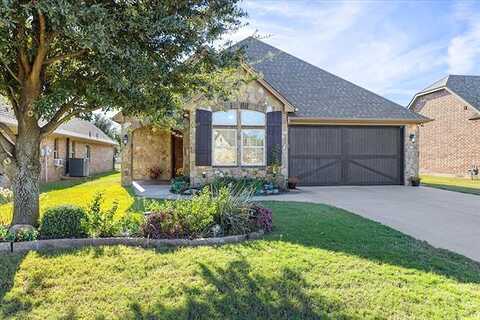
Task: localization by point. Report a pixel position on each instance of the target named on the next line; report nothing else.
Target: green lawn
(320, 263)
(452, 184)
(80, 193)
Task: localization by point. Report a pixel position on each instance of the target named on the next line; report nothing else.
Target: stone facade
(449, 145)
(253, 96)
(101, 156)
(411, 152)
(152, 148)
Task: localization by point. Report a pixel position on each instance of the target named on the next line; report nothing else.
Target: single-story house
(309, 123)
(450, 144)
(75, 139)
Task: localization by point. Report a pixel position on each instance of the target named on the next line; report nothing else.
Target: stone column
(411, 153)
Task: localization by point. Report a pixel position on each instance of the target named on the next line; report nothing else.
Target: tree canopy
(66, 58)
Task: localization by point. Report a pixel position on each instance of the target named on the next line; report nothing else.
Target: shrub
(63, 222)
(234, 208)
(26, 235)
(161, 226)
(209, 213)
(3, 233)
(130, 224)
(192, 218)
(238, 184)
(101, 223)
(6, 195)
(179, 184)
(155, 172)
(262, 218)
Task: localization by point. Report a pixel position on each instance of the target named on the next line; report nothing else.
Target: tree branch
(13, 100)
(7, 146)
(61, 57)
(42, 46)
(79, 110)
(55, 120)
(11, 72)
(8, 133)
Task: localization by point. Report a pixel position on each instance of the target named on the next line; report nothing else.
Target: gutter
(355, 121)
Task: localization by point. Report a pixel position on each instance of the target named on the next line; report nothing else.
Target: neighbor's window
(88, 152)
(233, 129)
(55, 149)
(72, 152)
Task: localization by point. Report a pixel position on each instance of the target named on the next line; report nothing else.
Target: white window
(233, 129)
(225, 118)
(252, 118)
(253, 147)
(55, 149)
(224, 147)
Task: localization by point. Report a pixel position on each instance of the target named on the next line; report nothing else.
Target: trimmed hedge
(64, 222)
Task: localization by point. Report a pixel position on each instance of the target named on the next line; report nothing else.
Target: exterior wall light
(412, 137)
(125, 139)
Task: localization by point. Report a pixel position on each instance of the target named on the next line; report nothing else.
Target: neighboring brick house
(75, 139)
(312, 124)
(450, 144)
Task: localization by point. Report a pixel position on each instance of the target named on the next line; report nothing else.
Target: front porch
(152, 157)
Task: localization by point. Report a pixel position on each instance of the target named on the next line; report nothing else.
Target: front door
(177, 155)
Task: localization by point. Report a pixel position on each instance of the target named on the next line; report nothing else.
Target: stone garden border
(54, 244)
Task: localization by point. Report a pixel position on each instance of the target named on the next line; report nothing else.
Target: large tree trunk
(25, 176)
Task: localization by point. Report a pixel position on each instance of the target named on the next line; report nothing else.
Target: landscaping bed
(211, 213)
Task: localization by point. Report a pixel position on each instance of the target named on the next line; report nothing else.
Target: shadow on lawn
(237, 292)
(334, 229)
(474, 191)
(9, 265)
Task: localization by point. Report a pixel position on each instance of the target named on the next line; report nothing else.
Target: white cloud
(464, 49)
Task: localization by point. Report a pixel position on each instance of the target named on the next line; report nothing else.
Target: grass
(79, 192)
(320, 263)
(452, 184)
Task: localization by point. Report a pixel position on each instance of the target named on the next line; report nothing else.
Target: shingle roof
(76, 127)
(467, 87)
(315, 92)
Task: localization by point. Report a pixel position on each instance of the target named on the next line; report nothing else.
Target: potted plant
(155, 172)
(415, 181)
(292, 182)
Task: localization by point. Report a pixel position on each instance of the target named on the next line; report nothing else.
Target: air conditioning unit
(58, 162)
(78, 167)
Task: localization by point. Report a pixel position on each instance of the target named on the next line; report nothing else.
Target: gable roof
(77, 128)
(316, 93)
(465, 87)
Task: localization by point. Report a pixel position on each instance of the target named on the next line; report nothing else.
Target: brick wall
(101, 156)
(450, 144)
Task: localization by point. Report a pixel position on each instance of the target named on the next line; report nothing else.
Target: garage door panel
(318, 171)
(342, 155)
(316, 142)
(360, 140)
(373, 171)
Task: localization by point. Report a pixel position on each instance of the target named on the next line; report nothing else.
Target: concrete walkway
(445, 219)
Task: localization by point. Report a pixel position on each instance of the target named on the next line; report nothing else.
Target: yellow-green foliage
(453, 184)
(80, 194)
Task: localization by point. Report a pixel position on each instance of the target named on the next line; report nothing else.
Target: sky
(393, 48)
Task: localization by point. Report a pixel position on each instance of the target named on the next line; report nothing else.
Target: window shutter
(203, 138)
(274, 137)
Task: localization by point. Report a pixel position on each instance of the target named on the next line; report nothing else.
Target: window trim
(238, 128)
(264, 146)
(55, 149)
(230, 128)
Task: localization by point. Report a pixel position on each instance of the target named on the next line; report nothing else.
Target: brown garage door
(346, 155)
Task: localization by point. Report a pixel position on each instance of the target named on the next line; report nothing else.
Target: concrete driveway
(445, 219)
